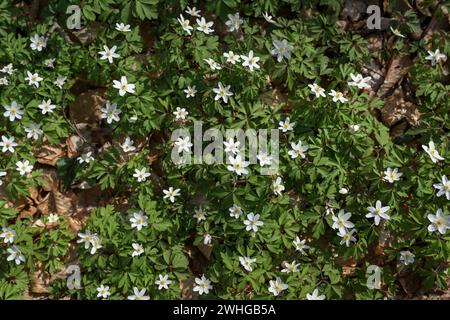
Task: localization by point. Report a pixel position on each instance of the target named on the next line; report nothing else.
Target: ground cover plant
(93, 205)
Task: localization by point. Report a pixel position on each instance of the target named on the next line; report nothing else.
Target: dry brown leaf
(354, 9)
(187, 289)
(74, 146)
(38, 223)
(396, 109)
(50, 175)
(349, 266)
(375, 44)
(375, 71)
(197, 261)
(376, 255)
(348, 271)
(386, 238)
(49, 155)
(26, 206)
(410, 283)
(274, 97)
(39, 282)
(210, 77)
(90, 135)
(152, 157)
(75, 225)
(398, 68)
(88, 199)
(33, 195)
(205, 250)
(399, 129)
(27, 212)
(342, 24)
(86, 107)
(63, 203)
(86, 35)
(43, 205)
(84, 202)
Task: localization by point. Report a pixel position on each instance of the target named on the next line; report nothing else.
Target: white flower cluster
(8, 235)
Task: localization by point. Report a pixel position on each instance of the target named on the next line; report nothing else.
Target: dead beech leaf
(342, 24)
(349, 266)
(78, 221)
(274, 97)
(63, 203)
(39, 282)
(29, 211)
(38, 223)
(152, 157)
(50, 175)
(74, 146)
(398, 68)
(396, 109)
(33, 195)
(376, 71)
(210, 77)
(50, 154)
(354, 9)
(75, 225)
(27, 205)
(88, 199)
(86, 107)
(87, 34)
(376, 255)
(348, 271)
(187, 289)
(410, 283)
(205, 250)
(386, 238)
(43, 205)
(399, 129)
(375, 44)
(84, 202)
(378, 250)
